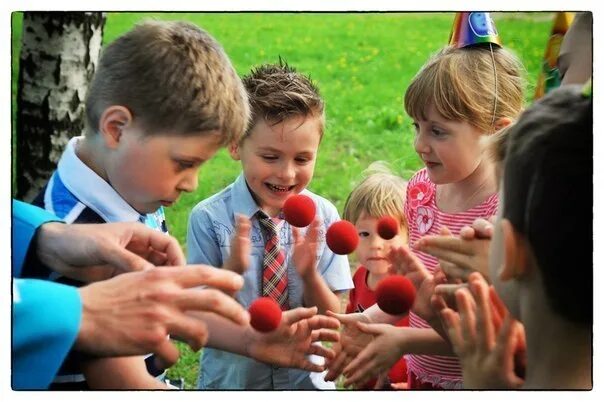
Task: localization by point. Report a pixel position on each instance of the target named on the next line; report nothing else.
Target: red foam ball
(265, 314)
(395, 294)
(299, 210)
(387, 227)
(342, 237)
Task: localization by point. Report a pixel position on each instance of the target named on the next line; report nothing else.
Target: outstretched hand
(458, 256)
(488, 348)
(133, 313)
(352, 342)
(295, 338)
(377, 357)
(94, 252)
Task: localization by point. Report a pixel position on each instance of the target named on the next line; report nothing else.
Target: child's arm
(119, 373)
(316, 292)
(388, 345)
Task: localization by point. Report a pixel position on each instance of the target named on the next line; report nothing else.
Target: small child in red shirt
(380, 193)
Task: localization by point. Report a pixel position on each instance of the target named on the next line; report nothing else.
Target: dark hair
(548, 196)
(277, 92)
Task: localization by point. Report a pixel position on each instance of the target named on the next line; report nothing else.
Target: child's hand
(239, 260)
(305, 249)
(404, 262)
(424, 305)
(458, 257)
(377, 358)
(352, 341)
(291, 343)
(486, 353)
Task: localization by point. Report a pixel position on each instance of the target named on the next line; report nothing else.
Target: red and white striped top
(425, 218)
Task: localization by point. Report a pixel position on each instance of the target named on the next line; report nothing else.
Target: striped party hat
(472, 29)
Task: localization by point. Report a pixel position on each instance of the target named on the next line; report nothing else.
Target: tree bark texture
(59, 55)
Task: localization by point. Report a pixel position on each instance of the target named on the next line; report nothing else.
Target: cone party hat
(472, 29)
(549, 77)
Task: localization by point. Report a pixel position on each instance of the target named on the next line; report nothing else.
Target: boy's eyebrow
(191, 158)
(271, 149)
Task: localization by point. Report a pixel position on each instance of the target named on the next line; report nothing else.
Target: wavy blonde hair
(478, 84)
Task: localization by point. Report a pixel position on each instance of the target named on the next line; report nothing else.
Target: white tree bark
(59, 55)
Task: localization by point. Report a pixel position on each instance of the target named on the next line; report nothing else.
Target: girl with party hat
(466, 92)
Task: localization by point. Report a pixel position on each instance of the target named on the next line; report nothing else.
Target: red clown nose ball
(395, 294)
(387, 227)
(299, 210)
(342, 237)
(265, 314)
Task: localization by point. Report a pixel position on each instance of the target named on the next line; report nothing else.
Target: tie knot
(267, 223)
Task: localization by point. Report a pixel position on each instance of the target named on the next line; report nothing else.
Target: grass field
(362, 63)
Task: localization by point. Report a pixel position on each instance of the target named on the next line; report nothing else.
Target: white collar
(91, 189)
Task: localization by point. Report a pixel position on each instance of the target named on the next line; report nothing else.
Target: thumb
(292, 316)
(343, 318)
(372, 329)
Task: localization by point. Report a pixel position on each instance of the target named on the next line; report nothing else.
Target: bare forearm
(424, 341)
(120, 373)
(224, 334)
(317, 293)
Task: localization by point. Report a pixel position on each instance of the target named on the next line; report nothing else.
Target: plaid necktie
(274, 271)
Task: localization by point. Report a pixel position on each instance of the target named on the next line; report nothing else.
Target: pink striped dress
(425, 218)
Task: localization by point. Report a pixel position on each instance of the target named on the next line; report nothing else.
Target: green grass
(362, 64)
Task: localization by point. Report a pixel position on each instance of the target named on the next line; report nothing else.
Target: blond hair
(174, 78)
(495, 147)
(478, 84)
(277, 92)
(379, 193)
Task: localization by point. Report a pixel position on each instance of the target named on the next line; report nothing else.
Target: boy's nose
(188, 183)
(287, 172)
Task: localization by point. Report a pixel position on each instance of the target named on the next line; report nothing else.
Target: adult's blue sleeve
(46, 320)
(26, 220)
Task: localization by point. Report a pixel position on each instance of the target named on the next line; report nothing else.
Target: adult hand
(487, 353)
(352, 341)
(291, 343)
(239, 260)
(94, 252)
(133, 313)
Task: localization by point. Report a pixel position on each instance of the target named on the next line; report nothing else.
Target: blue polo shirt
(76, 194)
(210, 228)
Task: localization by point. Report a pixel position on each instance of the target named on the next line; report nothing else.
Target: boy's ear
(113, 120)
(515, 258)
(502, 122)
(234, 150)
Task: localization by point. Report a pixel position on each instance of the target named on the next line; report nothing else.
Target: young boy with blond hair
(163, 100)
(278, 154)
(380, 193)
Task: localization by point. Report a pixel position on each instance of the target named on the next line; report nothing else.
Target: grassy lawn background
(362, 63)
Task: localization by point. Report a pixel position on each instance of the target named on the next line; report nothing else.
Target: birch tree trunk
(59, 54)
